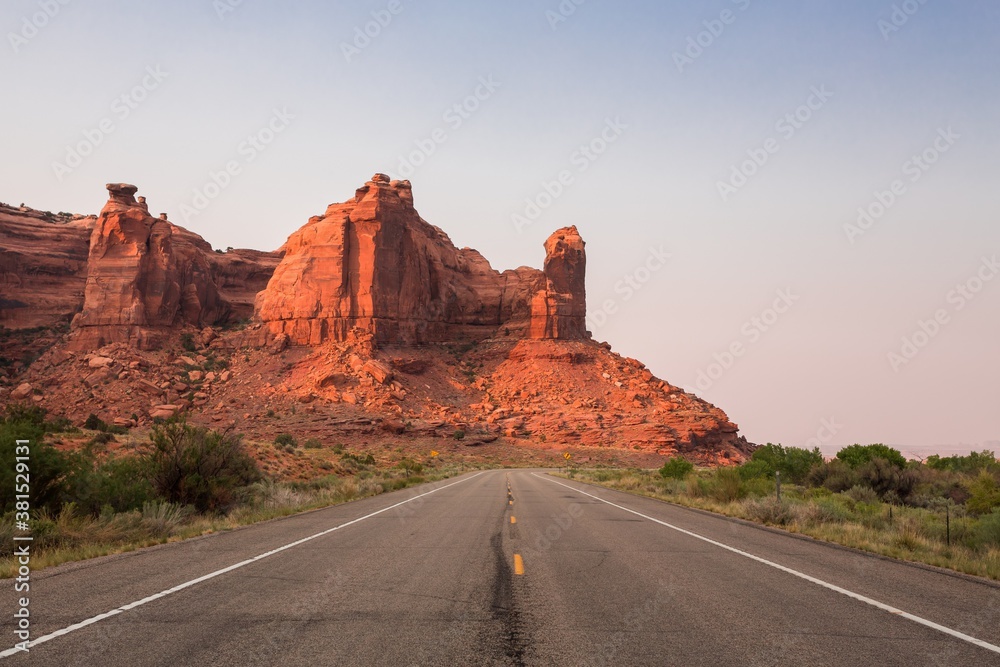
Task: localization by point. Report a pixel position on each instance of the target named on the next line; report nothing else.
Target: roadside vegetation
(943, 511)
(185, 481)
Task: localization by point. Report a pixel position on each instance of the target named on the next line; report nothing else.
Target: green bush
(984, 494)
(974, 462)
(410, 466)
(312, 443)
(366, 460)
(192, 465)
(284, 439)
(794, 463)
(727, 485)
(887, 479)
(49, 469)
(95, 423)
(120, 483)
(858, 455)
(988, 530)
(835, 476)
(676, 468)
(459, 434)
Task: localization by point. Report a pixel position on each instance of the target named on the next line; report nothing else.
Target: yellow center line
(513, 519)
(518, 564)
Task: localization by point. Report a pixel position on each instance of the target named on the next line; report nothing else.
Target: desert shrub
(676, 468)
(187, 342)
(366, 460)
(759, 486)
(887, 479)
(834, 475)
(862, 494)
(312, 443)
(984, 494)
(284, 439)
(727, 485)
(192, 465)
(459, 434)
(410, 466)
(987, 532)
(767, 510)
(858, 455)
(119, 483)
(95, 423)
(698, 487)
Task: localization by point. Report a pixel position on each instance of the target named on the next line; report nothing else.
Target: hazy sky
(714, 155)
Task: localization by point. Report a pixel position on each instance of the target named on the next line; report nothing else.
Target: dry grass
(913, 534)
(68, 536)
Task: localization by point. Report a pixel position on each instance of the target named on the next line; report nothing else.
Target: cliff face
(147, 276)
(374, 264)
(43, 266)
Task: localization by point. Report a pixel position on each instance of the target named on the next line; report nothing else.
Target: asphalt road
(441, 575)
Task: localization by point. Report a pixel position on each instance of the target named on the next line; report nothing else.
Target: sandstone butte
(367, 325)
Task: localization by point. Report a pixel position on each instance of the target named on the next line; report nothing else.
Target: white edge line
(211, 575)
(843, 591)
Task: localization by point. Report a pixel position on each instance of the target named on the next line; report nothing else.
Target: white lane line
(138, 603)
(843, 591)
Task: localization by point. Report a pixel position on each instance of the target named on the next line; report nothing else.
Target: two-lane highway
(505, 568)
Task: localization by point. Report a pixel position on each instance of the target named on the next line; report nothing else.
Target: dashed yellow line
(513, 519)
(518, 564)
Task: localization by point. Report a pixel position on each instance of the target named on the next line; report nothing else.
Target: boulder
(378, 370)
(22, 392)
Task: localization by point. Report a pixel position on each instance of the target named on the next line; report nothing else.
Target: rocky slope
(368, 325)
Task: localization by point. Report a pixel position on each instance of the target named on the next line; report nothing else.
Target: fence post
(777, 480)
(947, 525)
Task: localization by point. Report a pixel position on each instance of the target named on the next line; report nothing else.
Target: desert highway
(504, 568)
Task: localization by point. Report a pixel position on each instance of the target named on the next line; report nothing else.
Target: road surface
(467, 572)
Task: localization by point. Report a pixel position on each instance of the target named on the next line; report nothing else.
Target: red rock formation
(560, 310)
(43, 266)
(372, 263)
(353, 291)
(146, 276)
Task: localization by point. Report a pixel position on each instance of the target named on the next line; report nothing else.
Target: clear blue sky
(883, 89)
